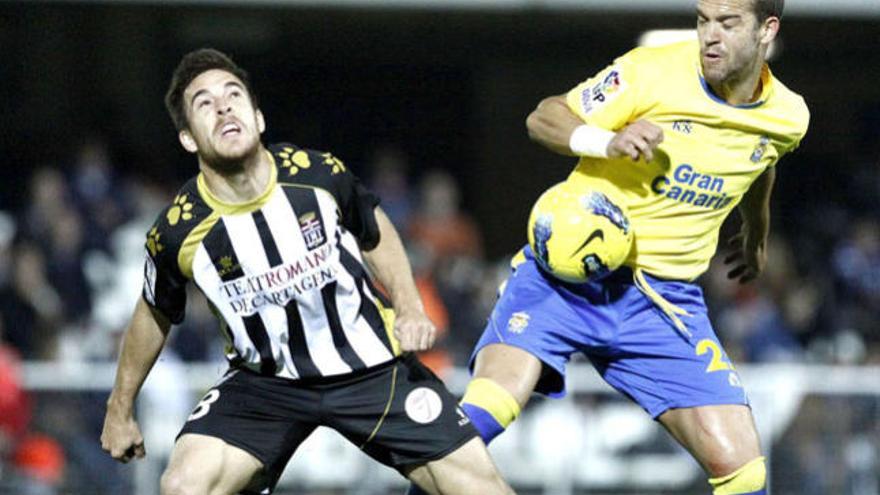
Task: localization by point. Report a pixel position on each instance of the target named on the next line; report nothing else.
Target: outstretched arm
(390, 265)
(749, 254)
(142, 344)
(553, 125)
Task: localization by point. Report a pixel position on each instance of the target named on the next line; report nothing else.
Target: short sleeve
(609, 99)
(357, 204)
(164, 284)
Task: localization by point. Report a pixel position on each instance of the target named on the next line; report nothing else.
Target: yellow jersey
(711, 153)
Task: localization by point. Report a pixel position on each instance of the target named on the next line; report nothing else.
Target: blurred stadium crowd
(71, 268)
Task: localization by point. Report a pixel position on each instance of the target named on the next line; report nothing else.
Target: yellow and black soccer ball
(580, 232)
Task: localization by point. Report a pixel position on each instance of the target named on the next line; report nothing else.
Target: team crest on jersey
(227, 266)
(759, 151)
(603, 91)
(312, 230)
(518, 322)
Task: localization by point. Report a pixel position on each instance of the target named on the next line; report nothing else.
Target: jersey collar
(766, 89)
(225, 208)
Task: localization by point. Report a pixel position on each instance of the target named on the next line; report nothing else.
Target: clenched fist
(638, 139)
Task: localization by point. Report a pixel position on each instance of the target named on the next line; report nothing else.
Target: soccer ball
(580, 232)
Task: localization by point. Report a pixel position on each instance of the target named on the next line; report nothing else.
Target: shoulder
(647, 66)
(296, 164)
(660, 57)
(177, 219)
(792, 106)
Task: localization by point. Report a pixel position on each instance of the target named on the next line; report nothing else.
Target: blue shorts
(630, 341)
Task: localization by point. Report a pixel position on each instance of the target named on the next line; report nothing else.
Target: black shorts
(398, 413)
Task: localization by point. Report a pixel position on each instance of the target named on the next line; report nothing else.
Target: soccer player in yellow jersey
(686, 132)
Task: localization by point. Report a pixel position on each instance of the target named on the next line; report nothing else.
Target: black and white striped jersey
(283, 273)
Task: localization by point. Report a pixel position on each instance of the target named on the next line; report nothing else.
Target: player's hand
(638, 139)
(747, 258)
(121, 436)
(414, 331)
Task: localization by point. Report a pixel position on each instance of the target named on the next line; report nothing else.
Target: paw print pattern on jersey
(182, 210)
(153, 242)
(332, 161)
(294, 160)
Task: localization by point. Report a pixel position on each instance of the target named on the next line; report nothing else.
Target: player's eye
(202, 103)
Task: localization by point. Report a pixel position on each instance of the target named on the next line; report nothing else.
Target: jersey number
(717, 363)
(204, 406)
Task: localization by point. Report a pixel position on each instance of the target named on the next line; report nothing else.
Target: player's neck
(742, 90)
(242, 185)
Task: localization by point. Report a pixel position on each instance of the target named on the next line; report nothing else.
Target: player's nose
(712, 34)
(223, 106)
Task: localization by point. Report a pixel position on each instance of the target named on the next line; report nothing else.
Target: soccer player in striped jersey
(686, 132)
(278, 240)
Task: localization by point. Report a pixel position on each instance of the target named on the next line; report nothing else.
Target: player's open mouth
(230, 129)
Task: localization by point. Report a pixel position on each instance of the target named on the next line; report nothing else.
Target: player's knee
(749, 479)
(491, 407)
(176, 481)
(468, 470)
(493, 484)
(722, 464)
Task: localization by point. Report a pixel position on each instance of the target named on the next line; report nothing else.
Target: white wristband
(587, 140)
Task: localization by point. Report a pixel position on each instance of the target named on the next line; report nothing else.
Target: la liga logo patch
(602, 91)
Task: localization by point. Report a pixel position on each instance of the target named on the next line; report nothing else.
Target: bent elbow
(533, 123)
(537, 121)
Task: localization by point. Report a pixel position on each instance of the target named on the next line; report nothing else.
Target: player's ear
(769, 29)
(187, 141)
(261, 122)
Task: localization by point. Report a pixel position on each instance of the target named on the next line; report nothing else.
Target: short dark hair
(768, 8)
(190, 67)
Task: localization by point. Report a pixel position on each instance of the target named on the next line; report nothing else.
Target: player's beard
(739, 64)
(230, 163)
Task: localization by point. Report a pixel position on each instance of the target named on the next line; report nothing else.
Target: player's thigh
(513, 368)
(203, 464)
(267, 417)
(535, 328)
(466, 470)
(721, 437)
(401, 415)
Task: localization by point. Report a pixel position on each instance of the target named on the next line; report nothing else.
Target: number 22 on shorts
(717, 362)
(204, 406)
